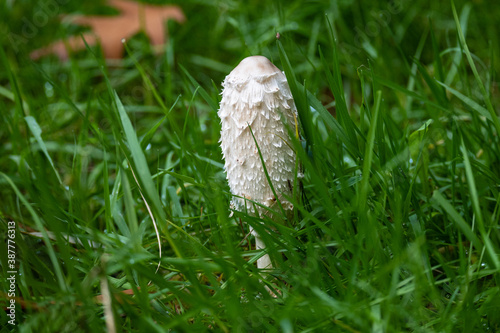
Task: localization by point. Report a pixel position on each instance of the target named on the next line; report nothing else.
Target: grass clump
(105, 164)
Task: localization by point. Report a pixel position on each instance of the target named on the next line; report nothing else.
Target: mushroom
(256, 99)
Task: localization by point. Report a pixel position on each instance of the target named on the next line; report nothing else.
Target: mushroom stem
(263, 262)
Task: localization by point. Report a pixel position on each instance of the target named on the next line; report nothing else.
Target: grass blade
(468, 101)
(369, 152)
(458, 220)
(146, 184)
(39, 224)
(490, 251)
(37, 133)
(486, 98)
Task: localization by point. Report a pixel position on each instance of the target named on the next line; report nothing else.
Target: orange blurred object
(110, 30)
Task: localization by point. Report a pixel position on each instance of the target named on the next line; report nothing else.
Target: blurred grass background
(397, 229)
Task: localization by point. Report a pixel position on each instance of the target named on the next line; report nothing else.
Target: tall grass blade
(486, 97)
(37, 133)
(39, 224)
(144, 177)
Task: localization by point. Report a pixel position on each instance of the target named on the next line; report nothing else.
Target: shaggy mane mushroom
(256, 98)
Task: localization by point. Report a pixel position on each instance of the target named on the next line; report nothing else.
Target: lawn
(114, 204)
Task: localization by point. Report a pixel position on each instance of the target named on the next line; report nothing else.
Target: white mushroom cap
(256, 93)
(254, 65)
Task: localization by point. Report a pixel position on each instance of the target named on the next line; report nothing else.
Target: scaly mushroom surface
(256, 95)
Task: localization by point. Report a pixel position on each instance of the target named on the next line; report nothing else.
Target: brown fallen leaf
(110, 30)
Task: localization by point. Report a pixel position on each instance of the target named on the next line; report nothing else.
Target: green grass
(105, 164)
